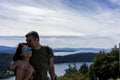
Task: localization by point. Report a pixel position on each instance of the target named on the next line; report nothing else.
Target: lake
(60, 68)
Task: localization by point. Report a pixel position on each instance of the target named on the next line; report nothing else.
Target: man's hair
(33, 34)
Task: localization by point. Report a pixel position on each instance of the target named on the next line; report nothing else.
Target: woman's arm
(29, 72)
(19, 73)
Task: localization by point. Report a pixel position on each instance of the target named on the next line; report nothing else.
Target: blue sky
(91, 19)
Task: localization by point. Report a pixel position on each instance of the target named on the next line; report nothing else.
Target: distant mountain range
(77, 50)
(6, 49)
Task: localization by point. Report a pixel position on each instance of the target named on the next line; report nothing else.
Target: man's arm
(51, 68)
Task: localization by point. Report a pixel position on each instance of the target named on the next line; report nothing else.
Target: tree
(71, 70)
(106, 65)
(84, 68)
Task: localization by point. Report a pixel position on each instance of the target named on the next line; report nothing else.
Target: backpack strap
(47, 51)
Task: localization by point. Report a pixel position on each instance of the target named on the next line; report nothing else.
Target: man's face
(31, 41)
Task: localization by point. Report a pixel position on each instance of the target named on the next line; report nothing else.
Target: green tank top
(40, 62)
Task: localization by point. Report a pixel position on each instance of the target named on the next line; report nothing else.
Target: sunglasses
(26, 50)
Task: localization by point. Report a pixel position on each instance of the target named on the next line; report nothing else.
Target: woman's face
(26, 51)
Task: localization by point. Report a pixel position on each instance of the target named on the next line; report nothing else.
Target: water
(12, 78)
(60, 68)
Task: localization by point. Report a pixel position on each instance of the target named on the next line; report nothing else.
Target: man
(42, 57)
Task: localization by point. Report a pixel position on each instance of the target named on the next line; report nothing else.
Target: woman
(20, 64)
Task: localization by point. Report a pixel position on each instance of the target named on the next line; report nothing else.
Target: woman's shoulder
(14, 64)
(18, 62)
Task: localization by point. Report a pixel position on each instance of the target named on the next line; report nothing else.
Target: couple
(32, 57)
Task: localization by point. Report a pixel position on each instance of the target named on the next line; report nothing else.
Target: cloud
(61, 17)
(96, 21)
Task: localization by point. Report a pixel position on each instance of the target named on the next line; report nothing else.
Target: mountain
(6, 49)
(77, 57)
(77, 50)
(6, 58)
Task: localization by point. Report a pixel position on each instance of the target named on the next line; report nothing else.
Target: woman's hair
(17, 55)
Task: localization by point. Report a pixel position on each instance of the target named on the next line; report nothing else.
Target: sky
(94, 20)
